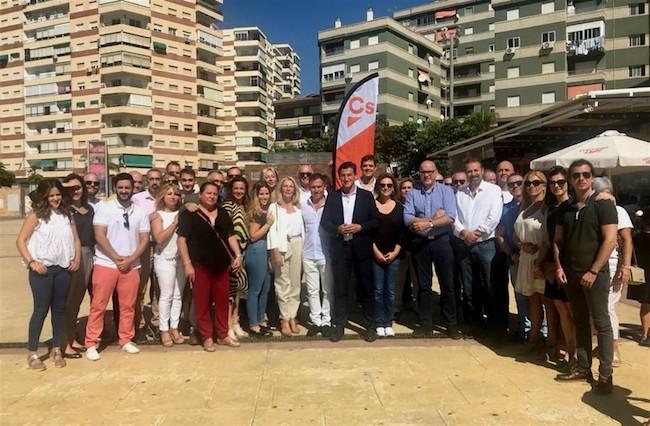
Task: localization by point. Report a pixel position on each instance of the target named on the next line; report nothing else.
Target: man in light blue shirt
(429, 212)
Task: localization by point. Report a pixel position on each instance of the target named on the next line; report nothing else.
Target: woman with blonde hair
(532, 238)
(169, 270)
(285, 239)
(270, 177)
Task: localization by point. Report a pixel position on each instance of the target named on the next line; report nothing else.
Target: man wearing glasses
(458, 181)
(479, 208)
(429, 212)
(146, 200)
(585, 236)
(304, 173)
(122, 235)
(91, 180)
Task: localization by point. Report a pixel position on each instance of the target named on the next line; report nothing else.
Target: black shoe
(326, 331)
(645, 341)
(313, 331)
(603, 386)
(337, 334)
(75, 355)
(422, 333)
(453, 332)
(141, 336)
(575, 375)
(260, 334)
(371, 335)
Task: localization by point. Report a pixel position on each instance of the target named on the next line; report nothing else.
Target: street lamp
(452, 43)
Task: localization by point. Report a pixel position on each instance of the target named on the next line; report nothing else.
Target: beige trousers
(287, 280)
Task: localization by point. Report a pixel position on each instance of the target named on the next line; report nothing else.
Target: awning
(423, 76)
(134, 160)
(450, 33)
(47, 164)
(159, 46)
(573, 91)
(449, 13)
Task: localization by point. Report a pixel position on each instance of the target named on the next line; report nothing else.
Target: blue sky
(297, 22)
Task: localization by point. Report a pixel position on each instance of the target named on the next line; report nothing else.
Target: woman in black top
(209, 250)
(386, 249)
(83, 213)
(641, 293)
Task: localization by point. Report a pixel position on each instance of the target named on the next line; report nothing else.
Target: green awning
(262, 143)
(47, 164)
(64, 103)
(264, 157)
(159, 46)
(134, 160)
(4, 58)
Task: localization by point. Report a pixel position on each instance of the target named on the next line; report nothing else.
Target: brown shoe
(293, 324)
(57, 358)
(177, 338)
(229, 341)
(209, 346)
(285, 328)
(166, 339)
(34, 362)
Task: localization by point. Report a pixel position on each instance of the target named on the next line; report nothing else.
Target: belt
(489, 240)
(293, 237)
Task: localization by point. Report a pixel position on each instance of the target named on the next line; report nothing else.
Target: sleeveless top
(168, 249)
(52, 242)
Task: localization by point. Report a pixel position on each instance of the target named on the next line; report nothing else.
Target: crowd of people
(207, 254)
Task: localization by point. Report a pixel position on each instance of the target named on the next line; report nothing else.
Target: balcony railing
(586, 46)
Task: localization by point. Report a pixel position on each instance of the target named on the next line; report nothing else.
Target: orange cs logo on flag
(358, 106)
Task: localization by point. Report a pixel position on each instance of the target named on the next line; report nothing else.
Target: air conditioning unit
(510, 51)
(547, 45)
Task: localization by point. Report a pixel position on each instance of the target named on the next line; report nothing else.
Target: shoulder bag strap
(223, 243)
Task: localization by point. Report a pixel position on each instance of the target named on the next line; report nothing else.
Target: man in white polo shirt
(122, 235)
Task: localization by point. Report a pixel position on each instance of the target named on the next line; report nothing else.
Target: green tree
(33, 177)
(7, 178)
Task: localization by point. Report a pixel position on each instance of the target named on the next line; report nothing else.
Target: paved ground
(400, 381)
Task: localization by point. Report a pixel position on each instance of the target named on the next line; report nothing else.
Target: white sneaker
(389, 332)
(381, 332)
(131, 348)
(92, 354)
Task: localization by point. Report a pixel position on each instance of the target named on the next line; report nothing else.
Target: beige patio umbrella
(616, 152)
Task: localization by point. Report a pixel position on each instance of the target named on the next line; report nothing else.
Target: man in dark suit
(349, 220)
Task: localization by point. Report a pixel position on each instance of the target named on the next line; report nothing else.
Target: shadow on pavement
(617, 406)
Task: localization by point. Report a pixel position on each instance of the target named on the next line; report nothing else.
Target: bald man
(505, 169)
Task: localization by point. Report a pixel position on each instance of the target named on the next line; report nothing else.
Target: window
(469, 50)
(637, 9)
(410, 96)
(548, 67)
(548, 7)
(513, 72)
(548, 37)
(373, 40)
(410, 72)
(355, 68)
(373, 65)
(548, 97)
(171, 31)
(491, 48)
(491, 26)
(354, 44)
(469, 10)
(410, 49)
(187, 127)
(637, 71)
(491, 68)
(513, 42)
(491, 88)
(637, 40)
(173, 126)
(512, 14)
(513, 101)
(469, 30)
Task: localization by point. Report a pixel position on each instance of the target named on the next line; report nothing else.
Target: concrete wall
(11, 201)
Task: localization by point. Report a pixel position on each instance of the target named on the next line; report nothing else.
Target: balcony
(590, 46)
(144, 3)
(47, 134)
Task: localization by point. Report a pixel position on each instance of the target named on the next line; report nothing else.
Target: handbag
(637, 274)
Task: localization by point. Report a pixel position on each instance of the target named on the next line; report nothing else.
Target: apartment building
(297, 120)
(256, 73)
(140, 75)
(518, 56)
(408, 65)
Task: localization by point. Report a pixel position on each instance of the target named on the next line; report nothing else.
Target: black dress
(641, 293)
(553, 290)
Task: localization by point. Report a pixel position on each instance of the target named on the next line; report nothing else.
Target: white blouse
(52, 242)
(284, 227)
(168, 249)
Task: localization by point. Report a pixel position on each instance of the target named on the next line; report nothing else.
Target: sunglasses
(385, 185)
(448, 184)
(578, 175)
(560, 182)
(232, 176)
(308, 174)
(74, 188)
(440, 180)
(125, 216)
(426, 172)
(91, 183)
(458, 182)
(174, 182)
(534, 183)
(515, 184)
(217, 182)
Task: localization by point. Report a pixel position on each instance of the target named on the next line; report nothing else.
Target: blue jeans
(259, 281)
(50, 291)
(522, 306)
(384, 289)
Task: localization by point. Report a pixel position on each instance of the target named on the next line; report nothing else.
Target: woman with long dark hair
(82, 213)
(50, 248)
(235, 204)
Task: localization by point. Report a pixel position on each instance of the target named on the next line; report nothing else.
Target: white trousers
(171, 280)
(318, 277)
(612, 300)
(287, 280)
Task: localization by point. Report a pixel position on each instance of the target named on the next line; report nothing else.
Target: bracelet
(592, 272)
(29, 264)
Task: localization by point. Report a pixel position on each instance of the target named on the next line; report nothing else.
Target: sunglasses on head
(559, 182)
(578, 175)
(125, 216)
(92, 183)
(515, 184)
(534, 183)
(458, 182)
